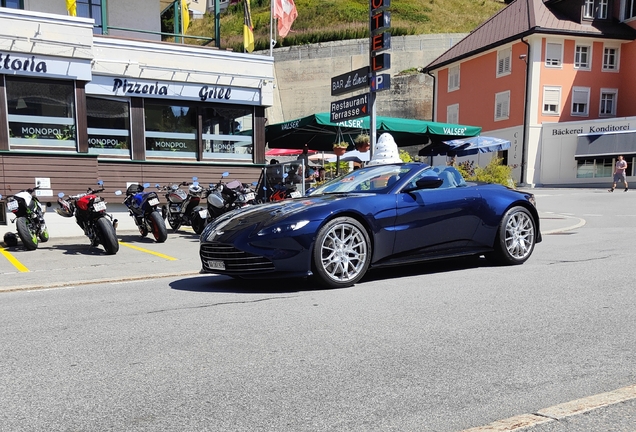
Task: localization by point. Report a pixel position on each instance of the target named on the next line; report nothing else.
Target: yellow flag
(71, 6)
(185, 17)
(248, 28)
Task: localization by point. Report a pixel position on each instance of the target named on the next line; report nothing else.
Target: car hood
(265, 215)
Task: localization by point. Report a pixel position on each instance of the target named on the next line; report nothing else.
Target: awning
(606, 144)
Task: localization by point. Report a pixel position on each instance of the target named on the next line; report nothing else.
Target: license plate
(216, 265)
(203, 213)
(250, 196)
(99, 206)
(153, 201)
(295, 194)
(12, 205)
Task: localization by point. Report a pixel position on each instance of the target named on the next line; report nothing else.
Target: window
(588, 9)
(91, 9)
(453, 78)
(171, 130)
(452, 114)
(595, 9)
(502, 105)
(228, 132)
(551, 100)
(553, 54)
(582, 55)
(594, 168)
(608, 102)
(601, 10)
(610, 59)
(108, 126)
(580, 101)
(630, 9)
(41, 112)
(13, 4)
(503, 61)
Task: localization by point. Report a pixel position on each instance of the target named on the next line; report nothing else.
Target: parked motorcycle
(224, 197)
(184, 208)
(284, 190)
(144, 208)
(90, 214)
(29, 219)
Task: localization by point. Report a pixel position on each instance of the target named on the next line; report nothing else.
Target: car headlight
(279, 229)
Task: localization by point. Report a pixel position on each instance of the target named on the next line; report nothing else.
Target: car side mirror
(431, 181)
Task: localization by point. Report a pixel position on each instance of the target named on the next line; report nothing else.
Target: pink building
(555, 78)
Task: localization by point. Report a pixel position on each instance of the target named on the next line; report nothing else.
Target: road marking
(160, 255)
(17, 264)
(560, 411)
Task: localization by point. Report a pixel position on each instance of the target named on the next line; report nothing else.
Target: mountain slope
(328, 20)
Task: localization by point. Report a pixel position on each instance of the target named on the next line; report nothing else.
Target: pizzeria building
(80, 105)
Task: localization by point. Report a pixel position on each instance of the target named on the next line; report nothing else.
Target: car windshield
(373, 179)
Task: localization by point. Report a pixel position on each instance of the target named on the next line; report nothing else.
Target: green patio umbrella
(319, 133)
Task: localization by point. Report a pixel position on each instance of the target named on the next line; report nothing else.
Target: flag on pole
(185, 17)
(71, 6)
(248, 28)
(285, 11)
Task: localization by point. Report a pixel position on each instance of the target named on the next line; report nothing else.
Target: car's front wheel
(342, 253)
(515, 239)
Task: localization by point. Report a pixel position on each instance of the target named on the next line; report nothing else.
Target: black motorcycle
(29, 219)
(224, 197)
(90, 214)
(143, 206)
(184, 208)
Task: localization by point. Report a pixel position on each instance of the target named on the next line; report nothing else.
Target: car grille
(235, 261)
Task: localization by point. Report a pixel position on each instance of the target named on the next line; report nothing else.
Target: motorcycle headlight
(283, 228)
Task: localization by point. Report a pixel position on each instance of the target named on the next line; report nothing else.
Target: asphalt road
(443, 347)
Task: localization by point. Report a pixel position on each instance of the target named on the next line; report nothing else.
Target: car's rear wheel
(342, 253)
(515, 239)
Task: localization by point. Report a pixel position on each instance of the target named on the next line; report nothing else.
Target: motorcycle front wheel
(159, 231)
(28, 237)
(107, 235)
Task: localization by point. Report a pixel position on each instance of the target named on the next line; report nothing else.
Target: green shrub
(494, 172)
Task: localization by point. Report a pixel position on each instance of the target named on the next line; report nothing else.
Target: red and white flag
(285, 11)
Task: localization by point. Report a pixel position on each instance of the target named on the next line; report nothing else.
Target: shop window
(580, 101)
(108, 126)
(453, 78)
(91, 9)
(13, 4)
(227, 132)
(600, 167)
(582, 57)
(171, 129)
(503, 61)
(41, 112)
(608, 102)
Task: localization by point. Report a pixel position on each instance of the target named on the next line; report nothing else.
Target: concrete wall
(303, 76)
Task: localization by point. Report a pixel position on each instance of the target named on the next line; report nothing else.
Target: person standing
(619, 174)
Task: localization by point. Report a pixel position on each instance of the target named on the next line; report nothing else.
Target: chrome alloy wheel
(343, 252)
(519, 235)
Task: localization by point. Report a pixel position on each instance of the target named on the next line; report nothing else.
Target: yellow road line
(160, 255)
(17, 264)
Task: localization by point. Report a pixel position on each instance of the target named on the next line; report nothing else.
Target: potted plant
(340, 148)
(363, 143)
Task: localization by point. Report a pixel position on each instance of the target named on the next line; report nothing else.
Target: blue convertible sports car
(382, 215)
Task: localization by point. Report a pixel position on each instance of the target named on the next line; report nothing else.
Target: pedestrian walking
(619, 173)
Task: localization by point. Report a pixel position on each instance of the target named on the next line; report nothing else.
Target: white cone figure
(385, 151)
